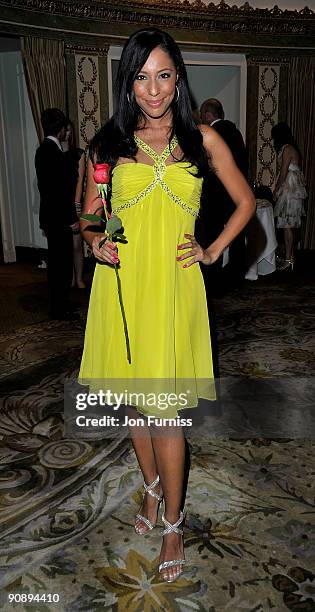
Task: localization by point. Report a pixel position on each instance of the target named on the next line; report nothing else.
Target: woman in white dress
(290, 191)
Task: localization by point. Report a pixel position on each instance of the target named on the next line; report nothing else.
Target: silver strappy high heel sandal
(149, 489)
(169, 528)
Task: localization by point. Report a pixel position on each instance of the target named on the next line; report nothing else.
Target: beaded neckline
(158, 158)
(159, 169)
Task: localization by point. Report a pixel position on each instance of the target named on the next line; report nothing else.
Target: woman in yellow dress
(159, 157)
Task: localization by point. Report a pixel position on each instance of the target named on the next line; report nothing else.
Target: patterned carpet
(67, 505)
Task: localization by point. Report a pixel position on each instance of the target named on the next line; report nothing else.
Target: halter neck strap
(153, 154)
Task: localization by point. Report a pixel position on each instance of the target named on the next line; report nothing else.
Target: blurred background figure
(76, 159)
(212, 113)
(57, 214)
(261, 239)
(217, 206)
(290, 191)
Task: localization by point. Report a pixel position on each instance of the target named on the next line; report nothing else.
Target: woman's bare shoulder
(209, 135)
(289, 151)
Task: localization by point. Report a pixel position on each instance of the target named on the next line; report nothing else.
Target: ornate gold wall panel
(268, 104)
(88, 97)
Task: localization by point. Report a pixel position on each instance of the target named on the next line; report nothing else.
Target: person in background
(264, 197)
(216, 204)
(76, 159)
(212, 113)
(261, 242)
(57, 214)
(290, 191)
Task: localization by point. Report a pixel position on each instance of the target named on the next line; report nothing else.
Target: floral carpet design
(67, 505)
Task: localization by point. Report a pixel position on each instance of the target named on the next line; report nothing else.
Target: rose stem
(123, 314)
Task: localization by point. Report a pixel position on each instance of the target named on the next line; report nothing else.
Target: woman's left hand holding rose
(197, 253)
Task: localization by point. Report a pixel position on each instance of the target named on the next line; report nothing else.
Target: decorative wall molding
(259, 60)
(268, 103)
(179, 14)
(82, 49)
(96, 8)
(88, 97)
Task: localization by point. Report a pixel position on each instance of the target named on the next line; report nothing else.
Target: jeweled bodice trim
(159, 169)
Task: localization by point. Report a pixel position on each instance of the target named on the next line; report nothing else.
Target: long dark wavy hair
(116, 138)
(282, 135)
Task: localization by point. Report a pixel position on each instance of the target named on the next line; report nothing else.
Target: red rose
(113, 225)
(101, 173)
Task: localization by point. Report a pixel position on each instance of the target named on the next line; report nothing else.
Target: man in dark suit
(57, 214)
(216, 204)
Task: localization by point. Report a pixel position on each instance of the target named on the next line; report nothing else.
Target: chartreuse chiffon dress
(165, 304)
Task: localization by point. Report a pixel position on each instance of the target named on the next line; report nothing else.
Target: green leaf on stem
(113, 224)
(89, 217)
